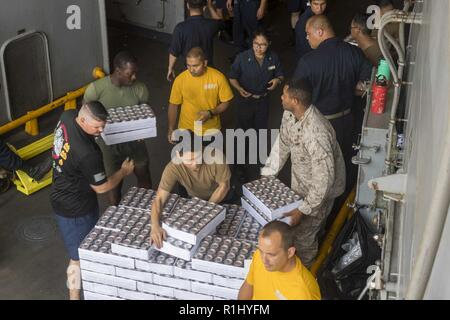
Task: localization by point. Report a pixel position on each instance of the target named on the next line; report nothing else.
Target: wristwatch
(210, 114)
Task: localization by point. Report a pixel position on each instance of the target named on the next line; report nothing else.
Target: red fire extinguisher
(379, 94)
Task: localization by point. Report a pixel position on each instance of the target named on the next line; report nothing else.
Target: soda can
(178, 243)
(228, 262)
(252, 236)
(209, 257)
(199, 255)
(195, 230)
(238, 264)
(180, 263)
(218, 260)
(85, 245)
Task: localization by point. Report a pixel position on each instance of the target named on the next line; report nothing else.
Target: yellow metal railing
(30, 119)
(344, 213)
(22, 181)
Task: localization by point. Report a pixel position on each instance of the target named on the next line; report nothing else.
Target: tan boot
(74, 280)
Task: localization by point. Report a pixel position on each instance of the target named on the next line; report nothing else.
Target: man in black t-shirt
(195, 31)
(78, 175)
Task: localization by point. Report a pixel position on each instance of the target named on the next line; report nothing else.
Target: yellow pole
(336, 227)
(32, 127)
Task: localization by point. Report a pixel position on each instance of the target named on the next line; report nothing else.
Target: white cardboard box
(175, 251)
(154, 267)
(97, 296)
(271, 214)
(220, 269)
(192, 238)
(108, 280)
(106, 258)
(100, 288)
(130, 125)
(155, 289)
(97, 267)
(221, 292)
(188, 295)
(172, 282)
(227, 282)
(258, 215)
(134, 295)
(135, 275)
(193, 274)
(121, 137)
(137, 253)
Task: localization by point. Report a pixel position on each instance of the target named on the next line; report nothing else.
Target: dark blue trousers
(244, 22)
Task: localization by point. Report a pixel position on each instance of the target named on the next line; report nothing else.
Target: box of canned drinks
(249, 228)
(178, 248)
(141, 198)
(183, 269)
(216, 291)
(253, 210)
(233, 219)
(256, 214)
(126, 136)
(133, 238)
(224, 256)
(158, 262)
(129, 118)
(193, 219)
(271, 196)
(96, 247)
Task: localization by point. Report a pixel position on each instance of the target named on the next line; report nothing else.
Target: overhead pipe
(398, 17)
(406, 6)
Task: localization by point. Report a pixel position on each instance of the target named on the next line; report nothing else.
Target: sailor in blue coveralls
(247, 18)
(254, 73)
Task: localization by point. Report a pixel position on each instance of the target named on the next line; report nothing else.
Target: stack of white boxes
(129, 123)
(268, 199)
(117, 261)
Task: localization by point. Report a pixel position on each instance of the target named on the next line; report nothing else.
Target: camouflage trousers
(308, 231)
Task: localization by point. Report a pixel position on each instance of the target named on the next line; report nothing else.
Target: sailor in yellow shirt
(276, 273)
(203, 94)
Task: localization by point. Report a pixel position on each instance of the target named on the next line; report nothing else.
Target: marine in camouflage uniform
(318, 173)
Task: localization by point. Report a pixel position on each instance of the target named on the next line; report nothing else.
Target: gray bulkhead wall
(73, 53)
(148, 13)
(428, 122)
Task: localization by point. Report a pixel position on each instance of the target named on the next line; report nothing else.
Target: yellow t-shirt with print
(297, 284)
(196, 94)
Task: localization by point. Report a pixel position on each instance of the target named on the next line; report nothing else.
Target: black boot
(39, 171)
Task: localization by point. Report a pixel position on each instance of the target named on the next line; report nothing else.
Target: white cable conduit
(400, 17)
